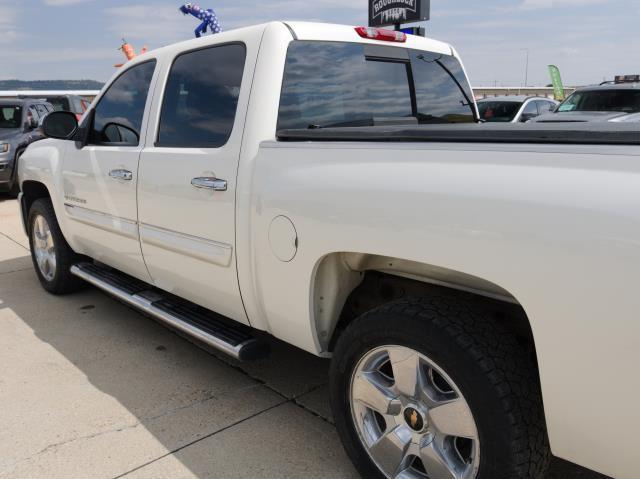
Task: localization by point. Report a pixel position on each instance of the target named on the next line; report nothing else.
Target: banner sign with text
(393, 12)
(556, 80)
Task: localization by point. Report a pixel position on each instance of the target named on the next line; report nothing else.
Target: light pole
(526, 68)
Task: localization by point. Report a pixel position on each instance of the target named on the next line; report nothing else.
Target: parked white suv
(306, 180)
(514, 109)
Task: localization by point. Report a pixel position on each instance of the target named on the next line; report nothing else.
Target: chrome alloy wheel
(43, 248)
(411, 417)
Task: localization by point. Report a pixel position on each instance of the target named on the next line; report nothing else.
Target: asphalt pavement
(91, 388)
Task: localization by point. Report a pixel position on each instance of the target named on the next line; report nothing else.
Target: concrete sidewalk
(91, 388)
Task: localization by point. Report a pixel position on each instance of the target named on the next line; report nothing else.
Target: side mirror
(33, 123)
(61, 125)
(525, 117)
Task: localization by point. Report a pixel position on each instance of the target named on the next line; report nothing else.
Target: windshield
(627, 101)
(498, 111)
(333, 84)
(10, 117)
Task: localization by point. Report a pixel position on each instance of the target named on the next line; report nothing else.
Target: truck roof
(318, 32)
(611, 86)
(347, 33)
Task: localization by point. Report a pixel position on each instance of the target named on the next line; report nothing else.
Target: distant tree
(50, 85)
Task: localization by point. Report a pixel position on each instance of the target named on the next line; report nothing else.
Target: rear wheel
(429, 389)
(51, 254)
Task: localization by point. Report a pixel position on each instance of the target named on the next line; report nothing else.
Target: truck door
(187, 187)
(99, 179)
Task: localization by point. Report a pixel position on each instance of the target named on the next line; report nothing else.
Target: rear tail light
(381, 34)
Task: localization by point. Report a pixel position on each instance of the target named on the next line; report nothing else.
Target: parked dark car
(608, 102)
(19, 127)
(68, 102)
(514, 109)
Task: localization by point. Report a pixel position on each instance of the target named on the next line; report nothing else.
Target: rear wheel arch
(347, 285)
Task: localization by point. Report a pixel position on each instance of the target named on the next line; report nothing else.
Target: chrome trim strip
(103, 221)
(145, 306)
(188, 245)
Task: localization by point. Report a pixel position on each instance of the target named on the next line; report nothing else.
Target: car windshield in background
(10, 117)
(627, 101)
(60, 103)
(498, 111)
(332, 84)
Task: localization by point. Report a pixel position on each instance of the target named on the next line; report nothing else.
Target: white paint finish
(283, 238)
(560, 231)
(87, 184)
(96, 219)
(198, 248)
(197, 265)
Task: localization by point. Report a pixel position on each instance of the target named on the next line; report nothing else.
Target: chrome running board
(220, 333)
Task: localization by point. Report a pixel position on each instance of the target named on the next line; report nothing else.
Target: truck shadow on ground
(155, 405)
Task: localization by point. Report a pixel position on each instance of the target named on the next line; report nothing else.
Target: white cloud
(541, 4)
(159, 24)
(63, 3)
(8, 14)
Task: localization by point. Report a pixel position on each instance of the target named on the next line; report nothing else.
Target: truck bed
(571, 134)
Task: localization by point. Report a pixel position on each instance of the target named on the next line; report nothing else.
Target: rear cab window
(339, 84)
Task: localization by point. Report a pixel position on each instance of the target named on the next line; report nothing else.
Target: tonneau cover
(580, 134)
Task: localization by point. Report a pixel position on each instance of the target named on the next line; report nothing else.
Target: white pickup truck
(473, 284)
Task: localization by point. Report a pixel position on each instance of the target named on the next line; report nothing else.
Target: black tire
(495, 374)
(14, 189)
(63, 282)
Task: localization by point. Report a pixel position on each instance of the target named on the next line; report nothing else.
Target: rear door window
(530, 111)
(201, 98)
(335, 84)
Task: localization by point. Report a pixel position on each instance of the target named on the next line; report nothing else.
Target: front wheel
(51, 254)
(430, 389)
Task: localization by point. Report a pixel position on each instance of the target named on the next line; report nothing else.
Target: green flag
(556, 79)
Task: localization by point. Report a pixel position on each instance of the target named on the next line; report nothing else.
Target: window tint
(332, 84)
(531, 108)
(627, 101)
(442, 91)
(33, 113)
(201, 98)
(10, 117)
(118, 116)
(497, 111)
(543, 107)
(60, 103)
(42, 111)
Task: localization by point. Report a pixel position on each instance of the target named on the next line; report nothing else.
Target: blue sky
(589, 40)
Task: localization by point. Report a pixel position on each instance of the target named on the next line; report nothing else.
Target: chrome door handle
(209, 183)
(125, 175)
